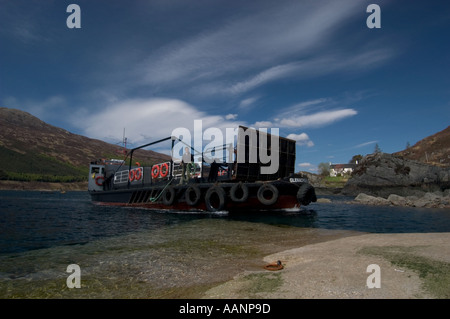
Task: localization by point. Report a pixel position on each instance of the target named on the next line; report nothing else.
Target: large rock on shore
(428, 200)
(383, 174)
(363, 198)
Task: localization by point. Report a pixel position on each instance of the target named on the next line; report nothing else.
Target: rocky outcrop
(434, 149)
(383, 174)
(428, 200)
(363, 198)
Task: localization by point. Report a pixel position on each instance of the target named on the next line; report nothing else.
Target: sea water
(126, 252)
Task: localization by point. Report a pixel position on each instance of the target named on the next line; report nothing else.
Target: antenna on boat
(124, 142)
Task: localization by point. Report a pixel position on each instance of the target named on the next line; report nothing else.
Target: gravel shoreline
(338, 269)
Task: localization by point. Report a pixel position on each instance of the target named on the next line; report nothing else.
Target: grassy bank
(434, 273)
(42, 186)
(334, 182)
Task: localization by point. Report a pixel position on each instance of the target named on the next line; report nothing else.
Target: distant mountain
(434, 149)
(31, 149)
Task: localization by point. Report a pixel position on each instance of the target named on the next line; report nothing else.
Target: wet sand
(410, 266)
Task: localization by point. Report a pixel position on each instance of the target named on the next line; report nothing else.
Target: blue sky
(313, 69)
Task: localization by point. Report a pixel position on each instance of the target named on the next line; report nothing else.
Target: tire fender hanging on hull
(306, 194)
(239, 193)
(168, 196)
(193, 195)
(267, 194)
(215, 199)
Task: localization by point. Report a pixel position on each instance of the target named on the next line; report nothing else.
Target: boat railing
(195, 169)
(121, 177)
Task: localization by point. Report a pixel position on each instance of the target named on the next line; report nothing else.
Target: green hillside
(32, 150)
(37, 167)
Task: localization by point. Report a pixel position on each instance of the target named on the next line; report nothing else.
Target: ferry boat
(202, 185)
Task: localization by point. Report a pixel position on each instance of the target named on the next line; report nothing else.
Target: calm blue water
(33, 220)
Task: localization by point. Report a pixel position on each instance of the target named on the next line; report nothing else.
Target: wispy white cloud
(268, 44)
(302, 139)
(262, 124)
(365, 144)
(305, 164)
(146, 119)
(25, 34)
(23, 22)
(317, 119)
(248, 102)
(269, 75)
(305, 107)
(308, 167)
(231, 116)
(316, 66)
(309, 103)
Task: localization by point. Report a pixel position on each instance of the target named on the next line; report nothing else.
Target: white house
(341, 169)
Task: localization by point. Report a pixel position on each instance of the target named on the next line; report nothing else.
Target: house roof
(342, 166)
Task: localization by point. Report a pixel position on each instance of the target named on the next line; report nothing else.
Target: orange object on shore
(274, 266)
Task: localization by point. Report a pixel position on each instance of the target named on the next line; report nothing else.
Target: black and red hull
(225, 196)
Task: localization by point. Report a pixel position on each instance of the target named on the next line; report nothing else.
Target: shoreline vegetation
(42, 186)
